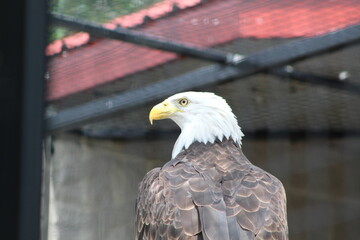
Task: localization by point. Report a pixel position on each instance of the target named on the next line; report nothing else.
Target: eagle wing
(258, 204)
(182, 201)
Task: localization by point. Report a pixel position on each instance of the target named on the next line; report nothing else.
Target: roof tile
(76, 40)
(54, 48)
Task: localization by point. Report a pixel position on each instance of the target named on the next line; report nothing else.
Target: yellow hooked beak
(161, 111)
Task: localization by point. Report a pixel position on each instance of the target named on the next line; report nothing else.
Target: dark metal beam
(156, 42)
(99, 109)
(135, 37)
(133, 134)
(22, 69)
(334, 83)
(213, 74)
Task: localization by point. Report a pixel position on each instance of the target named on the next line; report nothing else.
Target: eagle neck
(206, 128)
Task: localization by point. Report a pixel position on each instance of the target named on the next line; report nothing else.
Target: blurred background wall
(94, 182)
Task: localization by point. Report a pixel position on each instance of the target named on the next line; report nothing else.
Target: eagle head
(202, 117)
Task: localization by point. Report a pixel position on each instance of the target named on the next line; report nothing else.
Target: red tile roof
(208, 24)
(132, 20)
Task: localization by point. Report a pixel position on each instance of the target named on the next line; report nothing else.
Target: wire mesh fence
(300, 113)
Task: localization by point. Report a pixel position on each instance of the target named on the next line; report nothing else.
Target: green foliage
(93, 10)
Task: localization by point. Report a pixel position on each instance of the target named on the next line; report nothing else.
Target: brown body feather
(210, 192)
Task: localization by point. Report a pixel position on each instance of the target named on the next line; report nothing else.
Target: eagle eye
(183, 102)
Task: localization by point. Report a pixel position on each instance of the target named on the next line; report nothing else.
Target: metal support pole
(22, 68)
(133, 134)
(334, 83)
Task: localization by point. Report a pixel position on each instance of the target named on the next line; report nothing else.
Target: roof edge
(133, 20)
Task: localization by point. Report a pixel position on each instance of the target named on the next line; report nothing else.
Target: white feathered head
(202, 117)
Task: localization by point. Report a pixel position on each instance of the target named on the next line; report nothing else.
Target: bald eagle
(208, 190)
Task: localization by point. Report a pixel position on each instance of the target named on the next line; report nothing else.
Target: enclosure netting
(320, 122)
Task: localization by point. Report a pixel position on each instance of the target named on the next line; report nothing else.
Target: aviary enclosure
(289, 69)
